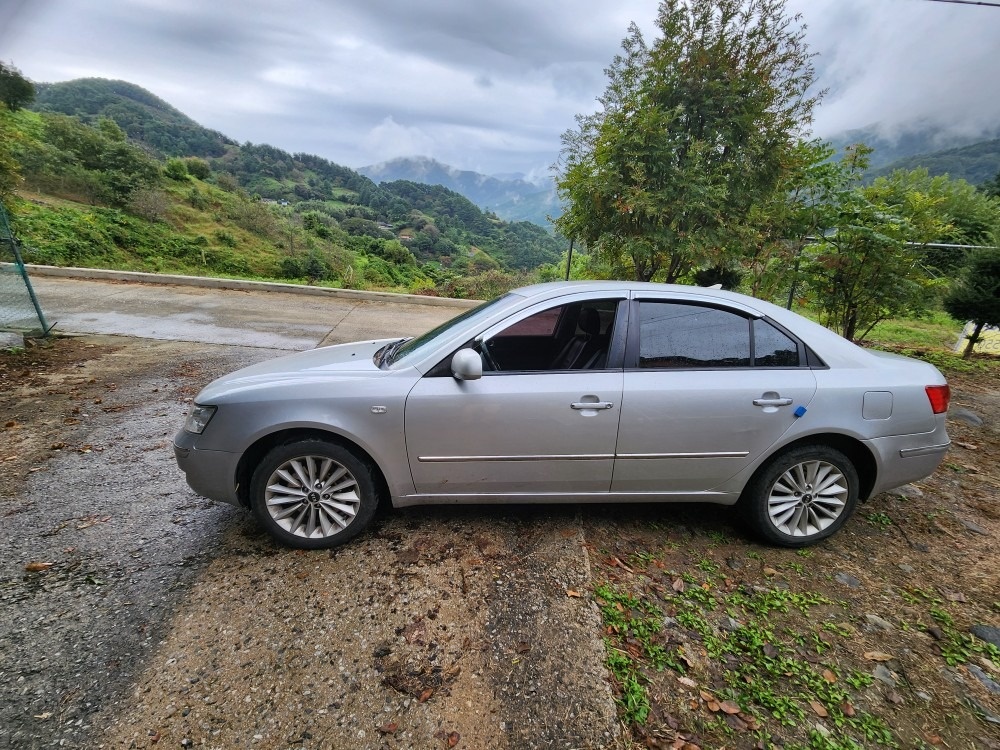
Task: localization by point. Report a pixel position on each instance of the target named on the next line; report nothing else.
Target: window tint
(574, 336)
(772, 348)
(539, 324)
(675, 335)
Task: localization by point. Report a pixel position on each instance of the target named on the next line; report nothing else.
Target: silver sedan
(567, 393)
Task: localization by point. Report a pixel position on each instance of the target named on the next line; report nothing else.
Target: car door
(707, 390)
(537, 422)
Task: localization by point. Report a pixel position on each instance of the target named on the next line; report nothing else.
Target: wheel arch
(859, 454)
(252, 456)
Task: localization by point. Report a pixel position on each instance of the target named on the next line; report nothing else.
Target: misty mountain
(976, 164)
(915, 142)
(508, 196)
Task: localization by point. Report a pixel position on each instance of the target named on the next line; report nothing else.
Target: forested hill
(165, 193)
(144, 117)
(976, 164)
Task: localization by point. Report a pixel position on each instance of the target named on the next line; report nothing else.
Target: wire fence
(19, 308)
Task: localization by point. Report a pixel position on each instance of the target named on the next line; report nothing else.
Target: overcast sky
(487, 86)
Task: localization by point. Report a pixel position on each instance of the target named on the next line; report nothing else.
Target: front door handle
(778, 401)
(596, 405)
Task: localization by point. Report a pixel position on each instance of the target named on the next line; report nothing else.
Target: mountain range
(166, 131)
(510, 197)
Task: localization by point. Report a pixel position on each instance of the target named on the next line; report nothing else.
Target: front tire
(802, 496)
(312, 494)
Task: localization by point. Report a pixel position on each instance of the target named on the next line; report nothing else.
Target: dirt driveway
(135, 614)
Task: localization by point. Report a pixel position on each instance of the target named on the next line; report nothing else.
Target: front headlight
(198, 418)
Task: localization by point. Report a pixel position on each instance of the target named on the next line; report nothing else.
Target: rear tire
(312, 494)
(802, 496)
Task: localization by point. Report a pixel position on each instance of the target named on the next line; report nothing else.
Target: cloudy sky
(487, 86)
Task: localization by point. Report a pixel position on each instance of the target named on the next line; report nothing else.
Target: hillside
(116, 177)
(510, 197)
(144, 117)
(914, 142)
(977, 163)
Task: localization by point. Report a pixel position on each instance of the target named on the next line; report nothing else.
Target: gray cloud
(481, 86)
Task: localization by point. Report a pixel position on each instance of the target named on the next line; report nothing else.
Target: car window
(674, 335)
(415, 345)
(773, 348)
(572, 336)
(541, 324)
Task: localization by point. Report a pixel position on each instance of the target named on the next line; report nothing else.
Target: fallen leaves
(38, 567)
(819, 709)
(878, 656)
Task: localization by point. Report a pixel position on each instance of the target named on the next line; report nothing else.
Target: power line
(966, 2)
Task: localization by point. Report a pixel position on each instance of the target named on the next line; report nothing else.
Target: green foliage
(770, 672)
(868, 266)
(175, 169)
(485, 285)
(975, 163)
(95, 164)
(694, 131)
(16, 91)
(10, 169)
(254, 216)
(977, 296)
(962, 215)
(198, 168)
(145, 118)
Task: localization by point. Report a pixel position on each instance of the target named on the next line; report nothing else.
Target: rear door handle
(596, 405)
(772, 401)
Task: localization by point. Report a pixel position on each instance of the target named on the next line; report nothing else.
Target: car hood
(344, 361)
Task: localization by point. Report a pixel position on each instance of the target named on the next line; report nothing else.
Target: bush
(175, 169)
(149, 203)
(198, 168)
(225, 238)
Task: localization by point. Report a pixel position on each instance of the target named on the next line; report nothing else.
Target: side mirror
(467, 365)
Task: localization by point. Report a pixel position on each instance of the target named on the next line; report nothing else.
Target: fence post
(7, 238)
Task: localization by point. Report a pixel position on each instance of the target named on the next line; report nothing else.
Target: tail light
(939, 396)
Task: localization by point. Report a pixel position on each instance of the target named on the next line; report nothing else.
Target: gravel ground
(135, 614)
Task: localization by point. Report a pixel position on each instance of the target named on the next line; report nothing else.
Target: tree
(693, 132)
(977, 297)
(867, 265)
(965, 215)
(15, 90)
(176, 169)
(992, 187)
(198, 168)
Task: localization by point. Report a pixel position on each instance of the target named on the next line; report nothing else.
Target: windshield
(405, 348)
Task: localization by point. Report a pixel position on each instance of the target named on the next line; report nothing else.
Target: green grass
(937, 330)
(776, 661)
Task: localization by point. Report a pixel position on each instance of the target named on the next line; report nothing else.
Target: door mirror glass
(466, 364)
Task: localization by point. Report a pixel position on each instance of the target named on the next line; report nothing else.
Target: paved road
(272, 319)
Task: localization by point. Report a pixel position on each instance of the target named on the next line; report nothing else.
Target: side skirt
(718, 498)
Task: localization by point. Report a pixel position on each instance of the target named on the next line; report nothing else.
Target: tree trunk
(972, 340)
